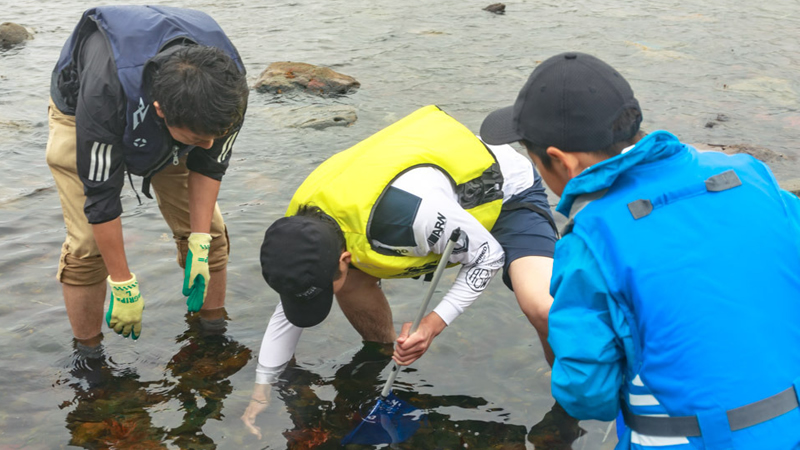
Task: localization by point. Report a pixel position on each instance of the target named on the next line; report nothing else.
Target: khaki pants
(81, 263)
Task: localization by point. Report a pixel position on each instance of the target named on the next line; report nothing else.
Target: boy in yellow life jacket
(384, 209)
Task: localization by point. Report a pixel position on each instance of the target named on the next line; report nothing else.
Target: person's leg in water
(81, 270)
(89, 364)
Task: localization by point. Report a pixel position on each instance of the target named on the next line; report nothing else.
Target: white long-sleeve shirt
(437, 214)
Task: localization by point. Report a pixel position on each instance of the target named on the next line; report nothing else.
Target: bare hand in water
(259, 401)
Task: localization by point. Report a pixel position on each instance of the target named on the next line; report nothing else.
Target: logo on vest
(139, 114)
(140, 142)
(438, 229)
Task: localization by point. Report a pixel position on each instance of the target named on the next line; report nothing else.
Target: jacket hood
(655, 146)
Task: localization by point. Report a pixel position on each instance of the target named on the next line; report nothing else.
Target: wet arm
(277, 348)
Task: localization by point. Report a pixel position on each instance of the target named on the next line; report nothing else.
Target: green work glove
(195, 278)
(125, 308)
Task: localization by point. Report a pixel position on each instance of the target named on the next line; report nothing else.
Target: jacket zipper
(175, 161)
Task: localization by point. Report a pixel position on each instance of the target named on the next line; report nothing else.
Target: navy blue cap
(299, 259)
(570, 102)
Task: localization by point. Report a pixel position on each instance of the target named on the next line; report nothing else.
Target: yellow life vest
(349, 184)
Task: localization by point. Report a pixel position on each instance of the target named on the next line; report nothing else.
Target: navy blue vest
(136, 34)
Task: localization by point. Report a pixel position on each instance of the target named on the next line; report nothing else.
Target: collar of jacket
(655, 146)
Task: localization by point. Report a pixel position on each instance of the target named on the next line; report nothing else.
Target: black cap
(299, 258)
(570, 102)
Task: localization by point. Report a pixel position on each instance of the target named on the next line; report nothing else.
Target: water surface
(484, 383)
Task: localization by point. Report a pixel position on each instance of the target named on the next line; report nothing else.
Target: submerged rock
(497, 8)
(719, 119)
(316, 117)
(12, 34)
(285, 76)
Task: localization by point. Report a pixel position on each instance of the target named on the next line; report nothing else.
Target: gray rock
(12, 34)
(285, 76)
(497, 8)
(316, 117)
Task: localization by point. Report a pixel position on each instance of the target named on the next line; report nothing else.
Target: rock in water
(12, 34)
(316, 117)
(282, 77)
(497, 8)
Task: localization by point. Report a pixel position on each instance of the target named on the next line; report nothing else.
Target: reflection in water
(321, 424)
(556, 431)
(111, 403)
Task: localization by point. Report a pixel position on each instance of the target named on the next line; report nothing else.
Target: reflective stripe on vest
(738, 418)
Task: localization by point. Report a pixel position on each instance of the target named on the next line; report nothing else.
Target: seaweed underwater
(322, 424)
(111, 404)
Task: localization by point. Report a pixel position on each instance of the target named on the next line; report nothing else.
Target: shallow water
(484, 383)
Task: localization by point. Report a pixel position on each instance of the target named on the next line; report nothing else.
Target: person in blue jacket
(153, 91)
(676, 284)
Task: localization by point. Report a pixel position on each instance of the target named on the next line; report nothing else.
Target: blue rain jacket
(691, 309)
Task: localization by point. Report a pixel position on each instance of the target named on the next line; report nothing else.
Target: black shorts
(525, 227)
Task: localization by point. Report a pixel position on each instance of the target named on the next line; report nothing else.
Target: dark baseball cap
(570, 102)
(299, 259)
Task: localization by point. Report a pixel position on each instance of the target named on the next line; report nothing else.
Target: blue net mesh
(390, 421)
